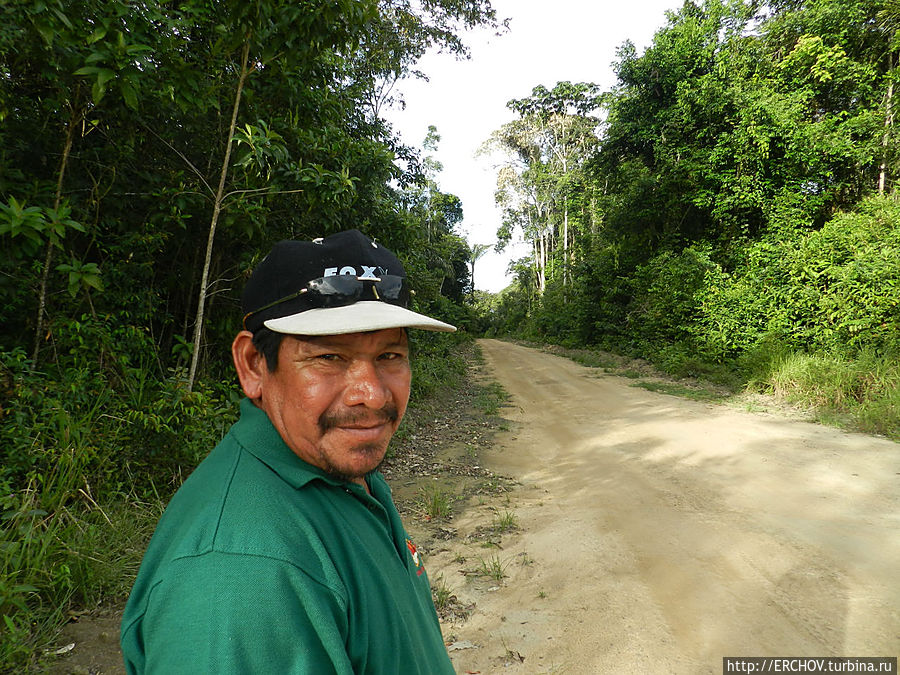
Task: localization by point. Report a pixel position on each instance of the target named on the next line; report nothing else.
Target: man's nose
(365, 386)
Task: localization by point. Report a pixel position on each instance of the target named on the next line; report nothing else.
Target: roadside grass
(506, 522)
(593, 359)
(490, 398)
(79, 554)
(675, 389)
(859, 393)
(441, 593)
(447, 604)
(438, 365)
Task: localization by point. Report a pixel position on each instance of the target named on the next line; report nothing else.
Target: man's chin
(362, 461)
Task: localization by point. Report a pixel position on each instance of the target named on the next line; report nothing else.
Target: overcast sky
(549, 41)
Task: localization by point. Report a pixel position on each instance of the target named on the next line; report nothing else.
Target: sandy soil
(654, 534)
(658, 535)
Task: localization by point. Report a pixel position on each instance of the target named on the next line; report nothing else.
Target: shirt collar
(259, 437)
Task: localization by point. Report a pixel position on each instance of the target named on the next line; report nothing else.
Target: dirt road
(660, 534)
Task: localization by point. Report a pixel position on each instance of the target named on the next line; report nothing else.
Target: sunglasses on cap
(345, 289)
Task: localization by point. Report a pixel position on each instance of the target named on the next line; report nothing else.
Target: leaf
(98, 34)
(93, 281)
(104, 76)
(46, 32)
(129, 95)
(62, 17)
(97, 92)
(131, 50)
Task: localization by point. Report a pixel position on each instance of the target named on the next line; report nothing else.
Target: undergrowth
(862, 393)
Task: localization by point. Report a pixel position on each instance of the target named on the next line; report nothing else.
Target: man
(283, 552)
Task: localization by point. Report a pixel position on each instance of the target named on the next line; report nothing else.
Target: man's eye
(328, 357)
(391, 356)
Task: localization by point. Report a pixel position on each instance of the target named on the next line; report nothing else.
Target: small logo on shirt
(415, 556)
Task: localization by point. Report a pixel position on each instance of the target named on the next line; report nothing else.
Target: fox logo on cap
(372, 273)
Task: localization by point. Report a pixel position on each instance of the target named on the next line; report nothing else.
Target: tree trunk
(888, 123)
(74, 121)
(565, 242)
(542, 266)
(217, 208)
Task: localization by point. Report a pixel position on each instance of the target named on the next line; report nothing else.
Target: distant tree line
(730, 200)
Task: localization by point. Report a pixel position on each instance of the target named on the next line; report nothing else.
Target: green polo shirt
(262, 563)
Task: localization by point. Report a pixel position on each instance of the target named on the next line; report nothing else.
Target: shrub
(846, 290)
(436, 362)
(666, 298)
(738, 310)
(835, 290)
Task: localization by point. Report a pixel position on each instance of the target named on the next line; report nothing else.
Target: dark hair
(267, 343)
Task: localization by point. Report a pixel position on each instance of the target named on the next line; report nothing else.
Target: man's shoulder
(234, 510)
(235, 503)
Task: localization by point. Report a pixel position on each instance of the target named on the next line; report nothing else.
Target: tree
(263, 32)
(59, 61)
(478, 251)
(175, 161)
(546, 149)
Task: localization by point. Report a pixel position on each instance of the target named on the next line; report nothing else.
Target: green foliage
(82, 276)
(113, 128)
(725, 219)
(665, 297)
(26, 229)
(435, 361)
(833, 290)
(850, 277)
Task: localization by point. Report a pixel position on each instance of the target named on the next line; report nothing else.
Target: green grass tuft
(493, 568)
(435, 502)
(490, 398)
(441, 593)
(506, 522)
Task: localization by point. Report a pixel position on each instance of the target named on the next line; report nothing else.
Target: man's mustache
(384, 415)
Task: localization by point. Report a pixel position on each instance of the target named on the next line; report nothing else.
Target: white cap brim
(360, 317)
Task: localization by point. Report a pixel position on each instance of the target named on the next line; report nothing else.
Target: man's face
(336, 400)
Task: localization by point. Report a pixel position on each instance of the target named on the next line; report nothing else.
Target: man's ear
(249, 363)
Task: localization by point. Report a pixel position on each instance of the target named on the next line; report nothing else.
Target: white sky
(549, 41)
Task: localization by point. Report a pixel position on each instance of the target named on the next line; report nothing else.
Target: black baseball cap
(343, 283)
